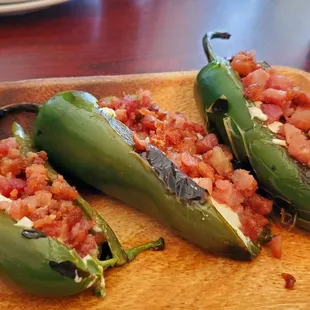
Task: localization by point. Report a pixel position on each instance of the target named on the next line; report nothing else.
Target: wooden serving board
(182, 276)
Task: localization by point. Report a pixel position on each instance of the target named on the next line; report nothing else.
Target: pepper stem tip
(207, 44)
(157, 245)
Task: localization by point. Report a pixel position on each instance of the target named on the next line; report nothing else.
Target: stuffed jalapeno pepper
(265, 119)
(52, 242)
(158, 162)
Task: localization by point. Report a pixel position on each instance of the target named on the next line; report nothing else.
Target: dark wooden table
(95, 37)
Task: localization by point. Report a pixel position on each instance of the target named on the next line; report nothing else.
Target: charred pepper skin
(42, 265)
(249, 139)
(99, 150)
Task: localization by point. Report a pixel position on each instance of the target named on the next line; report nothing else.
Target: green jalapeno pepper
(220, 96)
(98, 149)
(42, 265)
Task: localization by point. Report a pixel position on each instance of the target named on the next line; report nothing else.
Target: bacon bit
(121, 115)
(298, 144)
(149, 122)
(206, 144)
(252, 223)
(206, 170)
(244, 62)
(274, 96)
(189, 160)
(289, 280)
(273, 112)
(260, 204)
(254, 84)
(220, 161)
(173, 136)
(301, 98)
(275, 246)
(141, 145)
(62, 190)
(205, 183)
(47, 220)
(279, 82)
(225, 192)
(244, 182)
(14, 193)
(259, 77)
(300, 118)
(99, 238)
(36, 178)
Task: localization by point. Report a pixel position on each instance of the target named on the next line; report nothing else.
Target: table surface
(99, 37)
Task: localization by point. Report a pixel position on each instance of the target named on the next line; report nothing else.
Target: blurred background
(98, 37)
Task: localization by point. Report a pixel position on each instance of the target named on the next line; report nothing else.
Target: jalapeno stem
(21, 107)
(206, 41)
(157, 245)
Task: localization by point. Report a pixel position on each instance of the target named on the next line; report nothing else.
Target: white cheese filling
(25, 222)
(3, 198)
(275, 126)
(108, 111)
(232, 218)
(256, 112)
(279, 142)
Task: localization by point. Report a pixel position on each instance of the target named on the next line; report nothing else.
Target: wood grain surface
(100, 37)
(182, 276)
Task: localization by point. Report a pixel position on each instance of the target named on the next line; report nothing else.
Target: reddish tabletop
(93, 37)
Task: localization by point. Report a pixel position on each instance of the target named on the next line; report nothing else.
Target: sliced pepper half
(96, 148)
(220, 96)
(42, 265)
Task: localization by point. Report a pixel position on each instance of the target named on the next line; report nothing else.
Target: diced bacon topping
(280, 82)
(281, 101)
(289, 280)
(255, 84)
(259, 77)
(195, 152)
(50, 207)
(273, 112)
(244, 182)
(298, 143)
(226, 193)
(276, 247)
(205, 183)
(206, 144)
(301, 98)
(300, 118)
(244, 63)
(275, 96)
(220, 161)
(260, 205)
(252, 223)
